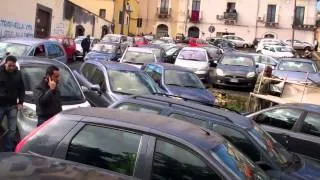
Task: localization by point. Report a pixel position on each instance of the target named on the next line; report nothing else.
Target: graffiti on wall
(15, 29)
(59, 29)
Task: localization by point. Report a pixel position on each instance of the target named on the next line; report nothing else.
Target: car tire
(307, 48)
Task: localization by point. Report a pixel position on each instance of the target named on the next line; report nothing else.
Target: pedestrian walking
(12, 94)
(85, 44)
(47, 95)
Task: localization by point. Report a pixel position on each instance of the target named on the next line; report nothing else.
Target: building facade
(44, 18)
(248, 19)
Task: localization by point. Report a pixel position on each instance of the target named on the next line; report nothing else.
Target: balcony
(195, 16)
(305, 27)
(272, 25)
(164, 12)
(230, 16)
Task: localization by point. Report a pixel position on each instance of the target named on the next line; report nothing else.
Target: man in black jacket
(11, 89)
(47, 95)
(85, 44)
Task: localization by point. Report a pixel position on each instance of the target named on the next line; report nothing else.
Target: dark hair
(11, 58)
(51, 69)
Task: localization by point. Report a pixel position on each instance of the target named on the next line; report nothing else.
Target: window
(311, 124)
(88, 70)
(40, 51)
(171, 162)
(106, 148)
(191, 120)
(154, 72)
(138, 108)
(271, 14)
(196, 5)
(238, 140)
(299, 19)
(281, 118)
(231, 6)
(54, 51)
(102, 13)
(164, 6)
(121, 17)
(99, 79)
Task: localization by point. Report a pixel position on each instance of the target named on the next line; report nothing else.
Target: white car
(269, 42)
(277, 51)
(238, 41)
(299, 45)
(138, 56)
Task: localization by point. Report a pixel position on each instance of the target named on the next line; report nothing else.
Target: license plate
(234, 80)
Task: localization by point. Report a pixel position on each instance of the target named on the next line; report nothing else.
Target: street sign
(212, 29)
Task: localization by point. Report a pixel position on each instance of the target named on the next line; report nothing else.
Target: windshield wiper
(130, 62)
(123, 93)
(190, 86)
(172, 84)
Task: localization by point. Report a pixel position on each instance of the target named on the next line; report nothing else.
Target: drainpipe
(186, 23)
(258, 9)
(123, 15)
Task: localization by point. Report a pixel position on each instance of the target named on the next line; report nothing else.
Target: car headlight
(29, 113)
(251, 74)
(219, 72)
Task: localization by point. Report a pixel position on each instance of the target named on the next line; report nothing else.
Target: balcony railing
(306, 27)
(164, 12)
(272, 24)
(230, 16)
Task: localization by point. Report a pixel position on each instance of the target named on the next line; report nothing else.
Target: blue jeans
(10, 138)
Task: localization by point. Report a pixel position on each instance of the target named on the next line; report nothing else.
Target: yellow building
(132, 13)
(102, 8)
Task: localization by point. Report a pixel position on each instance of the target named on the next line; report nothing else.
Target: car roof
(116, 65)
(227, 116)
(143, 49)
(152, 46)
(194, 48)
(27, 41)
(297, 60)
(150, 123)
(26, 61)
(303, 106)
(167, 66)
(30, 167)
(238, 53)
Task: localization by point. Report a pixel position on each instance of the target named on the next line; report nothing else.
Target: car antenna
(207, 131)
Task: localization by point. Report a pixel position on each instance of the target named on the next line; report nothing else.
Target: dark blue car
(103, 51)
(178, 81)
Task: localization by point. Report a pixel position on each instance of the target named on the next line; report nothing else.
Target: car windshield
(193, 55)
(131, 82)
(111, 39)
(156, 52)
(14, 49)
(237, 61)
(236, 163)
(274, 150)
(138, 57)
(69, 89)
(171, 50)
(182, 78)
(282, 49)
(104, 48)
(297, 66)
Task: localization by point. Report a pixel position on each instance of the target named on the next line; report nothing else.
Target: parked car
(295, 126)
(277, 51)
(157, 50)
(235, 69)
(195, 42)
(130, 41)
(142, 146)
(33, 47)
(214, 52)
(299, 45)
(222, 43)
(140, 41)
(168, 40)
(172, 53)
(33, 70)
(31, 167)
(238, 41)
(68, 44)
(264, 60)
(138, 56)
(178, 81)
(243, 133)
(297, 70)
(106, 52)
(78, 40)
(195, 59)
(270, 42)
(108, 82)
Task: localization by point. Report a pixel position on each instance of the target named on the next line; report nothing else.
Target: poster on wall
(14, 29)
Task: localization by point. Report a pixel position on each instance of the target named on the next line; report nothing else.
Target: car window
(88, 70)
(237, 60)
(13, 49)
(99, 79)
(311, 124)
(193, 55)
(174, 162)
(189, 119)
(280, 118)
(40, 51)
(155, 72)
(182, 79)
(238, 140)
(105, 148)
(138, 108)
(297, 66)
(54, 51)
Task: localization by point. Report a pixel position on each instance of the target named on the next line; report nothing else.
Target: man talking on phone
(47, 95)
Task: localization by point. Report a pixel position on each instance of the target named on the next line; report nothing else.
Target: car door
(54, 51)
(109, 148)
(281, 124)
(307, 140)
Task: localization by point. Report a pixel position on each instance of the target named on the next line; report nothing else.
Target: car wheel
(245, 46)
(307, 48)
(259, 52)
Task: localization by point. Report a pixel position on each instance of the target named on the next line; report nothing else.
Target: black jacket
(11, 87)
(85, 44)
(48, 102)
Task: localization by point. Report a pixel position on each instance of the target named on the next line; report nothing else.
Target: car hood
(310, 170)
(236, 70)
(202, 95)
(100, 56)
(283, 54)
(191, 65)
(294, 76)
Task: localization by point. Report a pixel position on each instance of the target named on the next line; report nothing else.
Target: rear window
(237, 61)
(193, 55)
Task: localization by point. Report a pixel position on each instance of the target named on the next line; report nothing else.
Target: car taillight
(31, 134)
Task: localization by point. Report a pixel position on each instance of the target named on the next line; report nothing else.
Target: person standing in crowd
(11, 90)
(47, 95)
(85, 44)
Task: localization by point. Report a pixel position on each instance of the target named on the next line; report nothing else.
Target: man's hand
(52, 84)
(19, 107)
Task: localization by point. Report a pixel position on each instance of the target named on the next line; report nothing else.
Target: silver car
(299, 45)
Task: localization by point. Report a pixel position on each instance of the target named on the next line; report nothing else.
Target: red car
(68, 44)
(195, 42)
(140, 41)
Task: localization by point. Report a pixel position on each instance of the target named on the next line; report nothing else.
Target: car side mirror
(84, 89)
(263, 165)
(95, 87)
